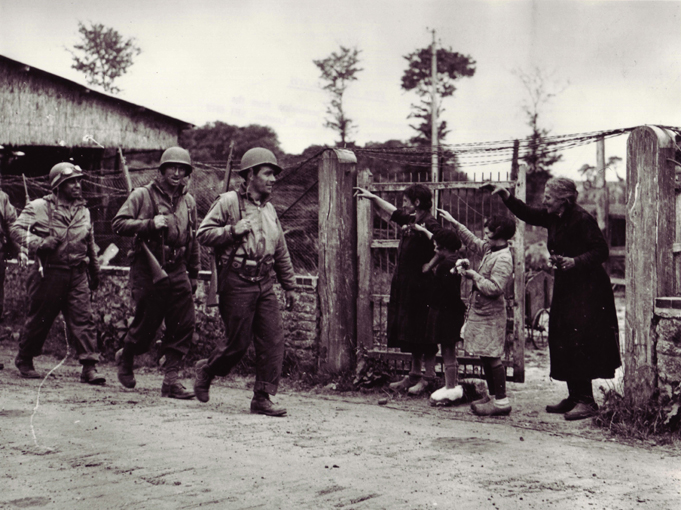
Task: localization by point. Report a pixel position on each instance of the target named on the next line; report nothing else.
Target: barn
(48, 119)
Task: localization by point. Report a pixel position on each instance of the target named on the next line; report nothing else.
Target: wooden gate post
(337, 285)
(365, 219)
(519, 176)
(651, 223)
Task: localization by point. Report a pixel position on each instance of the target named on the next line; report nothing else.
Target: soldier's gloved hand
(194, 284)
(160, 221)
(242, 227)
(290, 299)
(49, 243)
(23, 260)
(94, 281)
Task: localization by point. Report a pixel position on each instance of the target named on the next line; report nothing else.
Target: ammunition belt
(252, 270)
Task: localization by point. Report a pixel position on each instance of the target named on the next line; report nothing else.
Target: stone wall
(667, 347)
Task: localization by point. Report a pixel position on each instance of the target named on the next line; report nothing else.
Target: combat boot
(89, 375)
(202, 381)
(125, 363)
(261, 404)
(26, 369)
(175, 390)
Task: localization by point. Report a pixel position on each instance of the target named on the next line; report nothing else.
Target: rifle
(157, 271)
(212, 294)
(32, 230)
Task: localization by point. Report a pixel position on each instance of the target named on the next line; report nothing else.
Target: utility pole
(433, 121)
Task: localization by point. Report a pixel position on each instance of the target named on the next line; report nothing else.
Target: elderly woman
(583, 332)
(410, 287)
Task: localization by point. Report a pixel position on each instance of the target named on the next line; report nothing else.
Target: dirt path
(113, 448)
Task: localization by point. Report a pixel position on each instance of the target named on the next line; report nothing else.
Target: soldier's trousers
(251, 313)
(170, 299)
(65, 291)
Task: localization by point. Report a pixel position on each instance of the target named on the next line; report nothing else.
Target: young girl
(446, 312)
(410, 288)
(485, 330)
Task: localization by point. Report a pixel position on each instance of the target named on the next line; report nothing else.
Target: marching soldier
(249, 242)
(57, 231)
(163, 273)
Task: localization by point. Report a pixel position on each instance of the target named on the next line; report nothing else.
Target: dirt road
(108, 447)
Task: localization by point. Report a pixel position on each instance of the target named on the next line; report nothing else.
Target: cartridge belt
(252, 270)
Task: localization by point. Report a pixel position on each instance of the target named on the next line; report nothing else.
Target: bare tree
(337, 71)
(103, 55)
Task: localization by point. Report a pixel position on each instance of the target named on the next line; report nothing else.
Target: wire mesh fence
(105, 190)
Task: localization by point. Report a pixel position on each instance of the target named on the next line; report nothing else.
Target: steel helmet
(62, 172)
(176, 155)
(259, 156)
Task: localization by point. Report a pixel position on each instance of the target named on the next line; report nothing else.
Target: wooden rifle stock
(157, 271)
(212, 294)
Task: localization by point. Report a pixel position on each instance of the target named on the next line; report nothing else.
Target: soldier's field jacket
(136, 217)
(264, 242)
(70, 223)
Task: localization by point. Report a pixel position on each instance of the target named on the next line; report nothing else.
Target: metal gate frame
(371, 305)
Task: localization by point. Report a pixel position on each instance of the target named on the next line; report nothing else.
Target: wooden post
(651, 226)
(337, 286)
(365, 329)
(519, 279)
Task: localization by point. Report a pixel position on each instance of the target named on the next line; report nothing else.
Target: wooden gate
(377, 242)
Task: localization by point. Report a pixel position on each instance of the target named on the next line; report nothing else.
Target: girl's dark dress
(446, 309)
(410, 288)
(583, 331)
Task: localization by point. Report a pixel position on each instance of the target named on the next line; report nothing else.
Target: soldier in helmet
(243, 228)
(164, 269)
(57, 231)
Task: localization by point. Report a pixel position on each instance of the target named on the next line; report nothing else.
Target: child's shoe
(405, 383)
(420, 387)
(446, 396)
(492, 408)
(481, 401)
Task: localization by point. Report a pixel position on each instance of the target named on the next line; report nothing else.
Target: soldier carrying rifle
(164, 269)
(57, 230)
(244, 229)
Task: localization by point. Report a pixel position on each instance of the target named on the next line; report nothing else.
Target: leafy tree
(337, 71)
(211, 142)
(590, 172)
(541, 89)
(417, 77)
(104, 55)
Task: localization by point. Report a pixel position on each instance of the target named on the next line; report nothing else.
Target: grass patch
(659, 419)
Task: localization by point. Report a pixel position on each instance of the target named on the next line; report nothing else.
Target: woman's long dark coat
(583, 332)
(410, 287)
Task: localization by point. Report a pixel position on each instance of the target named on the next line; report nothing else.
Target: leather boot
(125, 363)
(89, 374)
(562, 407)
(202, 380)
(581, 411)
(172, 388)
(26, 369)
(261, 404)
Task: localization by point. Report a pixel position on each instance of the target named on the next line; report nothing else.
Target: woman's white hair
(563, 188)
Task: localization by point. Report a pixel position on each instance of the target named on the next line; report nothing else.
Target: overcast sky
(250, 62)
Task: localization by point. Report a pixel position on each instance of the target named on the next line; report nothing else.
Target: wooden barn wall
(37, 110)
